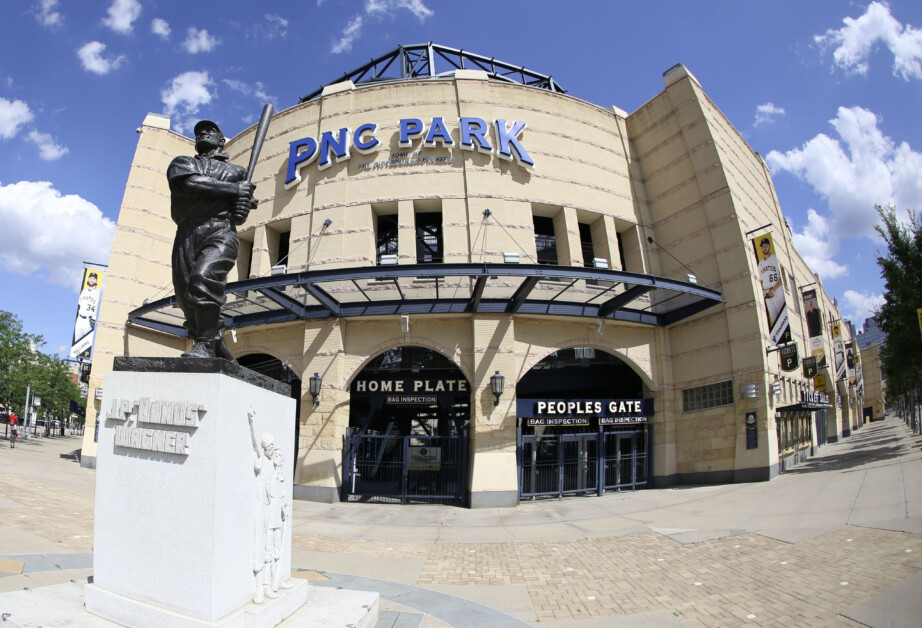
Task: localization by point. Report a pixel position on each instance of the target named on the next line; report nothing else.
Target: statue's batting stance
(209, 198)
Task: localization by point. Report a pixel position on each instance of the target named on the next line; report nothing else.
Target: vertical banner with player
(772, 289)
(814, 328)
(850, 362)
(87, 308)
(859, 373)
(838, 350)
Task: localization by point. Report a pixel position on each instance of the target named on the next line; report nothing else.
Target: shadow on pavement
(74, 455)
(864, 449)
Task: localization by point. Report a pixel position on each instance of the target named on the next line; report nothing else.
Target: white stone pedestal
(176, 495)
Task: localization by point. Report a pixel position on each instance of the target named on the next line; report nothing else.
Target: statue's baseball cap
(205, 124)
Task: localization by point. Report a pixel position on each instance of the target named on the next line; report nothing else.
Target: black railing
(405, 469)
(557, 464)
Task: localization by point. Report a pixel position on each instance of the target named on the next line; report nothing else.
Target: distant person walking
(14, 429)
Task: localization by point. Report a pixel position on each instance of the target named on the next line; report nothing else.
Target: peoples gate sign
(473, 133)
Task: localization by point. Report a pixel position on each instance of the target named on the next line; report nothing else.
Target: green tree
(22, 365)
(901, 269)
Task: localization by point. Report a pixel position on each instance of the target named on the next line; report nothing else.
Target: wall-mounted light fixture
(497, 382)
(749, 391)
(315, 383)
(404, 323)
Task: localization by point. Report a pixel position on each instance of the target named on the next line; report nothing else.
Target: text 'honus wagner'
(473, 135)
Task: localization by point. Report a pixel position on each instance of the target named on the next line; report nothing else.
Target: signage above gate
(566, 412)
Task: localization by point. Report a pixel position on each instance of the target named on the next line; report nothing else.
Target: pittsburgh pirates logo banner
(87, 308)
(772, 289)
(789, 360)
(814, 328)
(810, 369)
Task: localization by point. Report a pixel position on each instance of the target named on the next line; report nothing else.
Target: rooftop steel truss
(533, 289)
(430, 60)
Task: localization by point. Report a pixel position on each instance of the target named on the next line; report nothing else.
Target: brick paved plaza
(835, 542)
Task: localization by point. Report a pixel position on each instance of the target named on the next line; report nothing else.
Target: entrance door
(394, 467)
(580, 464)
(552, 464)
(621, 459)
(408, 438)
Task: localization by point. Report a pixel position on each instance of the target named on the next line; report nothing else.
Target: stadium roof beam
(432, 60)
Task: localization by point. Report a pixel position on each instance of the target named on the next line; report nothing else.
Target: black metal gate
(555, 464)
(821, 430)
(405, 469)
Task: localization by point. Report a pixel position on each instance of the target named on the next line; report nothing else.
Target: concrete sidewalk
(836, 541)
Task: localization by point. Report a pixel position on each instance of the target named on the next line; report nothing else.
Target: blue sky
(828, 91)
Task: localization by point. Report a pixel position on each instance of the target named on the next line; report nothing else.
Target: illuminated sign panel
(473, 133)
(566, 412)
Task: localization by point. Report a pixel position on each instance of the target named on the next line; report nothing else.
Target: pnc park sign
(474, 134)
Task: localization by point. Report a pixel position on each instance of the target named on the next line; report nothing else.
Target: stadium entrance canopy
(532, 289)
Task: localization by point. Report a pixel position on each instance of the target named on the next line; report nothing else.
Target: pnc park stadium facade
(484, 290)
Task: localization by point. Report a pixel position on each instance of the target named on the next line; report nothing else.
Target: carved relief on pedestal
(273, 513)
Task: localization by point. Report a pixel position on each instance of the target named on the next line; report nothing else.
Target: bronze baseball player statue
(209, 198)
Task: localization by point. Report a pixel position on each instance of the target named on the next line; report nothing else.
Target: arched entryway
(271, 366)
(583, 425)
(409, 422)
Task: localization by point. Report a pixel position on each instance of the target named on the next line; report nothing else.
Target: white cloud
(160, 27)
(858, 306)
(13, 114)
(868, 170)
(277, 26)
(350, 33)
(47, 148)
(47, 15)
(817, 248)
(122, 13)
(93, 60)
(257, 90)
(184, 95)
(855, 41)
(199, 41)
(377, 9)
(30, 247)
(766, 114)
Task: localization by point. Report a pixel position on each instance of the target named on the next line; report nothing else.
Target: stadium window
(245, 257)
(621, 250)
(386, 236)
(545, 240)
(429, 248)
(708, 396)
(585, 243)
(284, 244)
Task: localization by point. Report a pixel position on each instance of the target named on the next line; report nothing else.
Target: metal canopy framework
(532, 289)
(431, 60)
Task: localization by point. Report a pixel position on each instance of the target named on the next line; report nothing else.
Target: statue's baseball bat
(259, 138)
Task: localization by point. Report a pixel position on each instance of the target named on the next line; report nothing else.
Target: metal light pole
(37, 402)
(25, 427)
